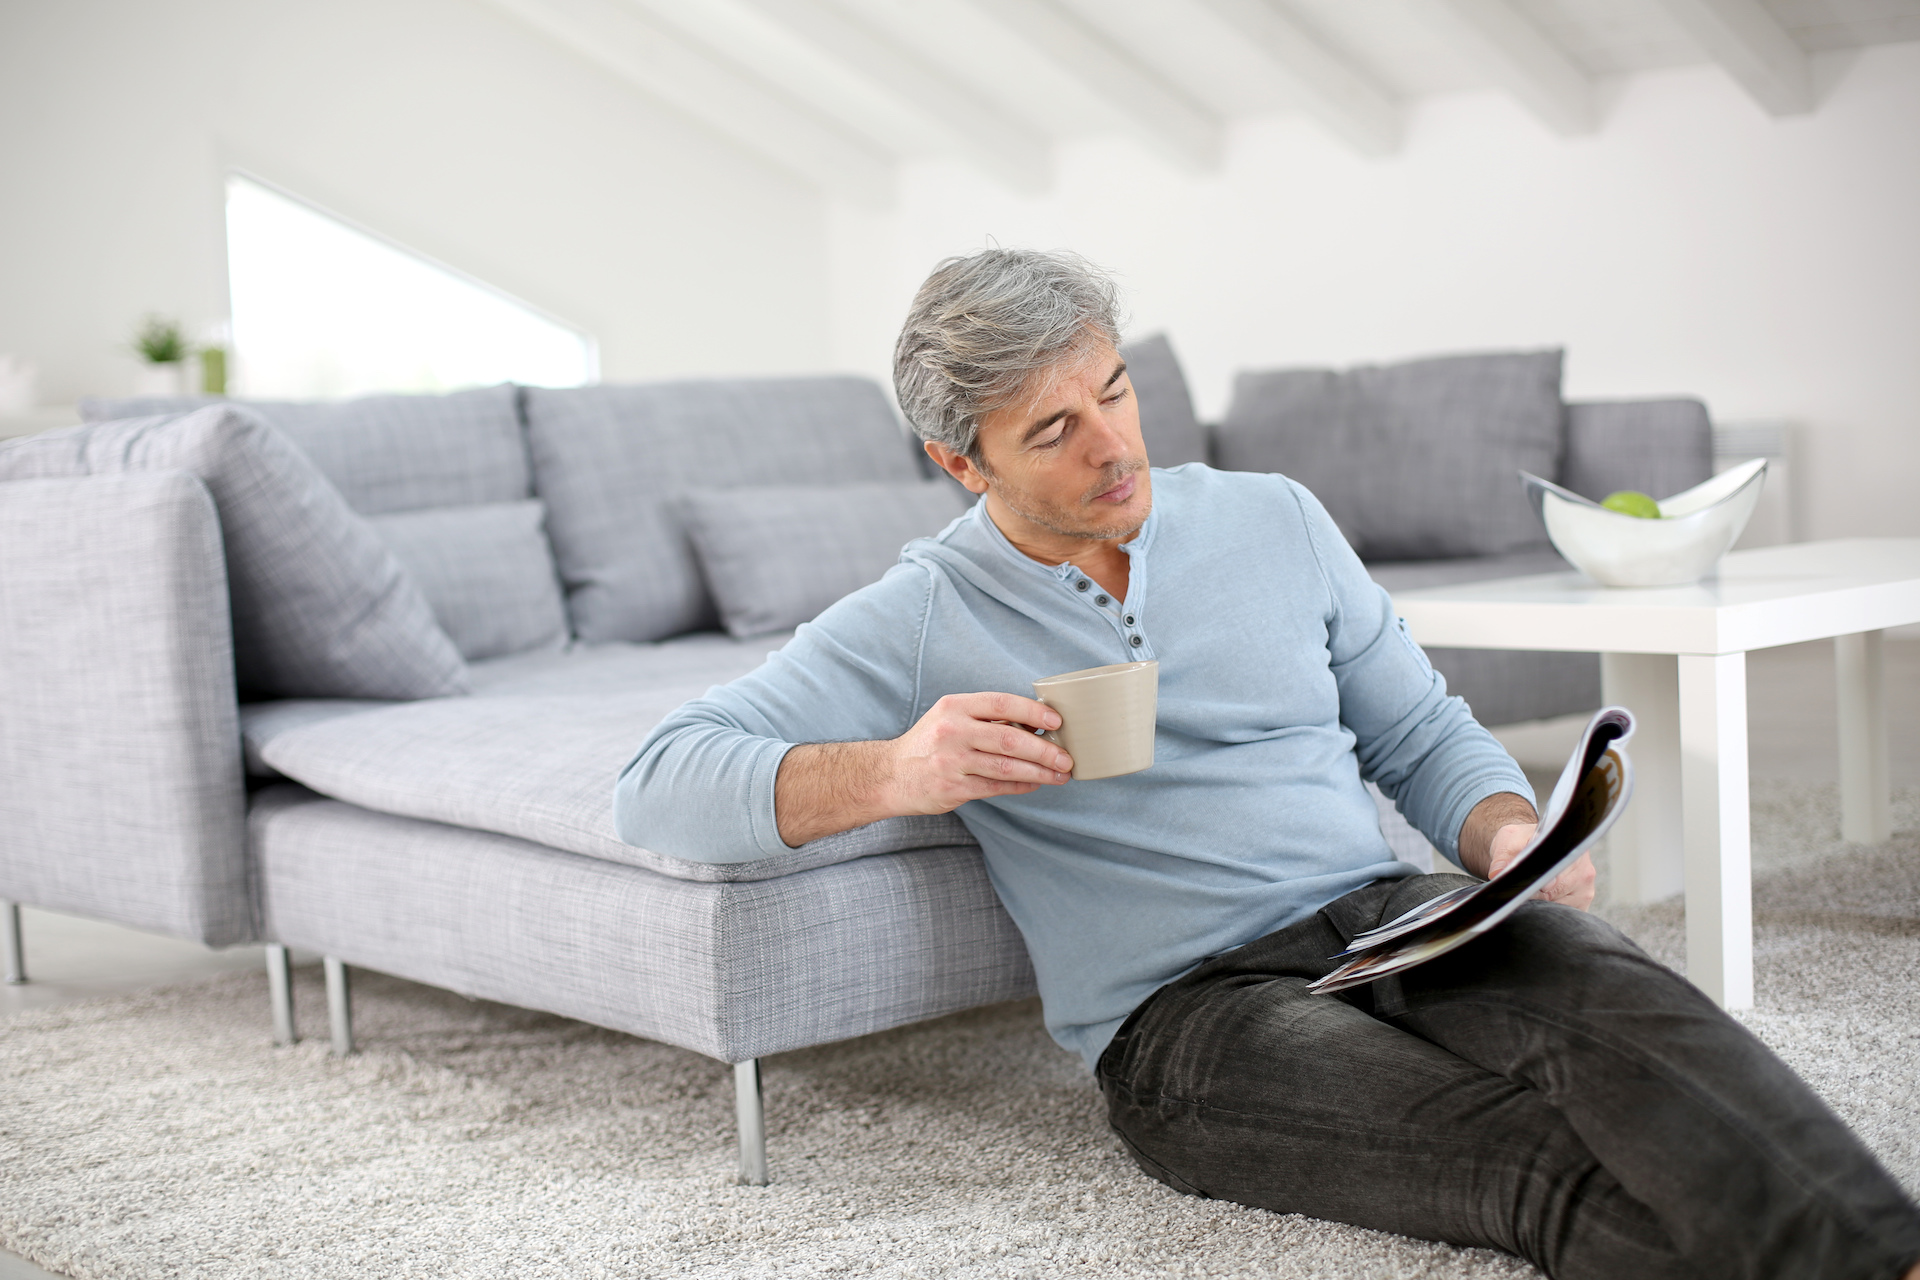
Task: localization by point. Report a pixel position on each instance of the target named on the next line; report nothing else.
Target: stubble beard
(1059, 520)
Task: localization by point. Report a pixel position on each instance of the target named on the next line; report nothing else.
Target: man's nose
(1105, 442)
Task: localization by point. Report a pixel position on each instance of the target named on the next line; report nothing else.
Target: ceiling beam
(1751, 46)
(773, 128)
(1159, 116)
(1519, 58)
(1332, 90)
(995, 141)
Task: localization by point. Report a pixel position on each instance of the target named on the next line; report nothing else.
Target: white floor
(1792, 731)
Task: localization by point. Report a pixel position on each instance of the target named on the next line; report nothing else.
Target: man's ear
(957, 465)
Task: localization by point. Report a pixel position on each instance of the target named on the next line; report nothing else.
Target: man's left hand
(1495, 832)
(1573, 887)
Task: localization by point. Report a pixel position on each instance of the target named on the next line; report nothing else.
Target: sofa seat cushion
(262, 722)
(611, 463)
(320, 607)
(536, 752)
(1414, 461)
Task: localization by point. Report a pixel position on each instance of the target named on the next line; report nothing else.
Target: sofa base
(732, 970)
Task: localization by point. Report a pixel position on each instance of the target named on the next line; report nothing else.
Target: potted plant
(161, 343)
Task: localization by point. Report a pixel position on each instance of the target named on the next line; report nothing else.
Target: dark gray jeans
(1547, 1089)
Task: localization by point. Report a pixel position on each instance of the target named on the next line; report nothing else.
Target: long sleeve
(701, 785)
(1421, 747)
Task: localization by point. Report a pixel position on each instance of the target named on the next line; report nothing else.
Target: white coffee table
(1677, 658)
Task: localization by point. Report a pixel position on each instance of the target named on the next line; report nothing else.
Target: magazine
(1591, 792)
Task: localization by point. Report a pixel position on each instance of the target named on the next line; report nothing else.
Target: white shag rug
(161, 1135)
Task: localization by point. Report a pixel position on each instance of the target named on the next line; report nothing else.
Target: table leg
(1713, 784)
(1866, 811)
(1644, 850)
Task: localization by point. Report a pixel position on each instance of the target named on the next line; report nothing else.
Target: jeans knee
(1559, 954)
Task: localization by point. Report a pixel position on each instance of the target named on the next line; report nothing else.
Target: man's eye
(1050, 441)
(1118, 396)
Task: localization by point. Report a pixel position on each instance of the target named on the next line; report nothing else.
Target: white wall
(1692, 245)
(441, 123)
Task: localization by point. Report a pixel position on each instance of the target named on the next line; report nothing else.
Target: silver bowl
(1697, 528)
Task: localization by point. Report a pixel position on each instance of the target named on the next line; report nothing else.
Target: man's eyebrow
(1042, 425)
(1052, 418)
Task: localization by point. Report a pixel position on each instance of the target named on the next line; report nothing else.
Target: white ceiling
(841, 91)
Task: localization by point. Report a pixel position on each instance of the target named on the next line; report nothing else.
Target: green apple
(1629, 502)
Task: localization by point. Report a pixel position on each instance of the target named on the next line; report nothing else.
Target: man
(1546, 1090)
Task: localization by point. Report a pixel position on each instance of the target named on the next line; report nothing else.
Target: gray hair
(983, 327)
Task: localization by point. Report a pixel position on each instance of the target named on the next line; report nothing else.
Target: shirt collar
(1135, 546)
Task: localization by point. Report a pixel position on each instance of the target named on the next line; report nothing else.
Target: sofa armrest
(1658, 447)
(121, 790)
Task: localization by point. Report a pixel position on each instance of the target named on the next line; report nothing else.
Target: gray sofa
(357, 678)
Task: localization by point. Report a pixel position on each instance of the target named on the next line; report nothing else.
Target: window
(322, 309)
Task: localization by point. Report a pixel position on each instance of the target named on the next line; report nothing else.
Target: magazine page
(1557, 829)
(1592, 790)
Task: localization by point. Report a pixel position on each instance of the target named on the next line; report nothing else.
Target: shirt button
(1081, 585)
(1135, 642)
(1128, 619)
(1101, 601)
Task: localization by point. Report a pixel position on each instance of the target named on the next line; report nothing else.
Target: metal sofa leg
(339, 1007)
(280, 991)
(753, 1123)
(11, 943)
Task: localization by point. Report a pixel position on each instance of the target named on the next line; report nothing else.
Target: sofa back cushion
(611, 463)
(390, 452)
(486, 570)
(1172, 433)
(1414, 461)
(1658, 447)
(320, 607)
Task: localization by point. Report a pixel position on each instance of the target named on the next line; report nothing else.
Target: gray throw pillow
(1413, 461)
(611, 461)
(775, 556)
(321, 608)
(486, 570)
(1172, 433)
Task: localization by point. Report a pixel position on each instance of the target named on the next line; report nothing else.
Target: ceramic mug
(1106, 717)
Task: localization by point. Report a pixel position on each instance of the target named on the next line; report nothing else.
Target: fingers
(1017, 744)
(988, 725)
(1008, 707)
(1573, 887)
(972, 746)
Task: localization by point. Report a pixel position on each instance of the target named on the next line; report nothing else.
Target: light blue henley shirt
(1285, 680)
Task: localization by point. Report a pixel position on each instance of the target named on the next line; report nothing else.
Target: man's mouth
(1119, 493)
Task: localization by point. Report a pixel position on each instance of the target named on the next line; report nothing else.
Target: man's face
(1069, 462)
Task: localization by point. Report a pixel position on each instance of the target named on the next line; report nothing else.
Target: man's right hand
(972, 745)
(967, 747)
